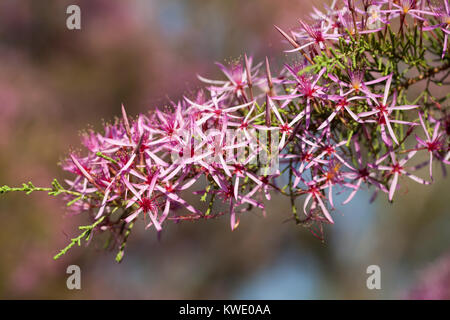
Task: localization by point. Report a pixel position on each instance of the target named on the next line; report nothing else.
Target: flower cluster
(337, 119)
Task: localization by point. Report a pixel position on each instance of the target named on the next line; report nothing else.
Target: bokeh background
(55, 82)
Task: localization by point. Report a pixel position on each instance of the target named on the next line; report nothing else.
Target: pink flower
(382, 112)
(433, 144)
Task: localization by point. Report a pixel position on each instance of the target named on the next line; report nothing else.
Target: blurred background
(55, 82)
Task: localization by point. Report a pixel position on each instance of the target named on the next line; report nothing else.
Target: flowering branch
(338, 120)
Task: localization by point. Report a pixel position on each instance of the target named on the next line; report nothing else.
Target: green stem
(87, 232)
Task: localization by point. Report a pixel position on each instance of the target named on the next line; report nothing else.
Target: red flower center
(342, 103)
(433, 146)
(382, 108)
(169, 188)
(364, 173)
(396, 168)
(147, 204)
(329, 150)
(285, 128)
(307, 156)
(314, 190)
(238, 168)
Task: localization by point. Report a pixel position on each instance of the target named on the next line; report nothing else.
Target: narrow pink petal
(324, 209)
(393, 186)
(133, 216)
(353, 193)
